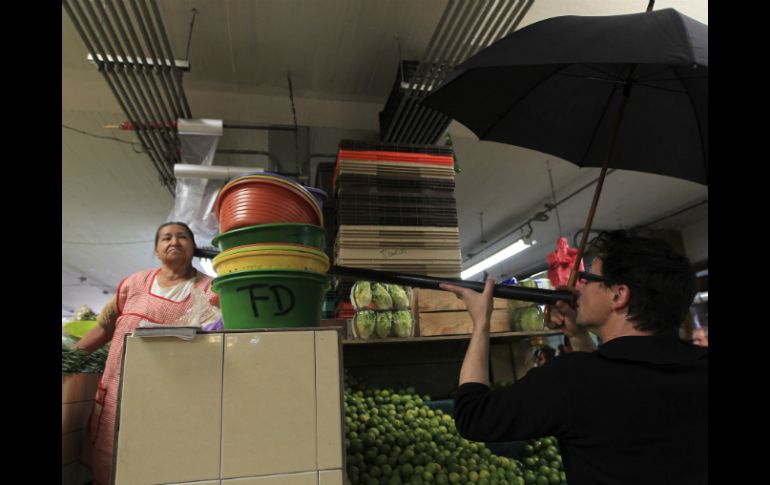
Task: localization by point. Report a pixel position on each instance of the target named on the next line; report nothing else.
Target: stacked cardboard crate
(396, 209)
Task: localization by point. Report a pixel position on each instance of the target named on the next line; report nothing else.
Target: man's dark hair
(186, 227)
(661, 280)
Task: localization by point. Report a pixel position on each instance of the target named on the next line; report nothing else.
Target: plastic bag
(200, 313)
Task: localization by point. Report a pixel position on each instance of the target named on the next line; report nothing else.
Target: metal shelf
(443, 338)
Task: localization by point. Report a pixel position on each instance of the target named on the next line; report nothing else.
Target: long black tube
(534, 295)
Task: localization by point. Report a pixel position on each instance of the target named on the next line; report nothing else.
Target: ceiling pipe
(457, 52)
(147, 70)
(168, 54)
(112, 35)
(464, 29)
(389, 135)
(130, 81)
(176, 74)
(437, 122)
(430, 63)
(139, 73)
(159, 64)
(87, 33)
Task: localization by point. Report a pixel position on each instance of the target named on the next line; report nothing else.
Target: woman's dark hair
(661, 280)
(549, 352)
(186, 228)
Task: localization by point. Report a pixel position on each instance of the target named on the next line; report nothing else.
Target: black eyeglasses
(586, 277)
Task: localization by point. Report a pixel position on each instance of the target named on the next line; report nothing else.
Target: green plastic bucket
(271, 299)
(306, 234)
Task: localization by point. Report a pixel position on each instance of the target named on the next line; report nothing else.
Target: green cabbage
(362, 294)
(381, 297)
(384, 322)
(402, 323)
(530, 319)
(399, 296)
(365, 322)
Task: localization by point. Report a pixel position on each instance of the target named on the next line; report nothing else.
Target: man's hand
(479, 305)
(563, 315)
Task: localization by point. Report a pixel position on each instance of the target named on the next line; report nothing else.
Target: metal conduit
(133, 53)
(445, 56)
(437, 122)
(427, 64)
(113, 69)
(491, 19)
(159, 67)
(462, 31)
(165, 138)
(176, 75)
(388, 135)
(104, 68)
(159, 110)
(154, 156)
(458, 52)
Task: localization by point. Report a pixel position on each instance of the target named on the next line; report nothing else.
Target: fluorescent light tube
(499, 256)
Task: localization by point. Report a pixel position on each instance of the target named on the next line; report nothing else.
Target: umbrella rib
(700, 133)
(600, 71)
(596, 126)
(522, 97)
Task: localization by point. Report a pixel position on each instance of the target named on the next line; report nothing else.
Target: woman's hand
(479, 305)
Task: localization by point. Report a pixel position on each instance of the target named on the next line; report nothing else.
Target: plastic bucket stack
(271, 272)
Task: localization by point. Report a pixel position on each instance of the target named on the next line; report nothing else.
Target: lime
(554, 478)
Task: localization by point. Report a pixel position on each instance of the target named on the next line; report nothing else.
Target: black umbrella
(626, 91)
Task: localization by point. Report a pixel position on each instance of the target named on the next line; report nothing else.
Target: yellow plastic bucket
(269, 258)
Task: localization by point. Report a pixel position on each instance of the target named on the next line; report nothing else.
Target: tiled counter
(257, 407)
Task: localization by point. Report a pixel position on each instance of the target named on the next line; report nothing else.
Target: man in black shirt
(633, 411)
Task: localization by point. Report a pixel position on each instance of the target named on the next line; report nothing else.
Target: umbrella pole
(589, 220)
(600, 182)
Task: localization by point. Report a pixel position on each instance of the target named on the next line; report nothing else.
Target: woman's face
(174, 244)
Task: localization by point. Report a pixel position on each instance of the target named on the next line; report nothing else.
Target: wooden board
(458, 322)
(441, 301)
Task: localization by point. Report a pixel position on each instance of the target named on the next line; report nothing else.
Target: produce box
(458, 322)
(441, 301)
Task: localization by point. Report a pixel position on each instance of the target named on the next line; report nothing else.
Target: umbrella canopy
(556, 86)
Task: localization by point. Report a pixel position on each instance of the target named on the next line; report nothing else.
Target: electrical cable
(189, 37)
(105, 137)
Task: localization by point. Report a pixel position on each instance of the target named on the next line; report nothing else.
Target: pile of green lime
(393, 437)
(542, 462)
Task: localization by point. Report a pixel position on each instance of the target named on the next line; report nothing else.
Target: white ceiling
(342, 56)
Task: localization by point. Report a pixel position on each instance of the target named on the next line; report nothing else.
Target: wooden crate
(441, 301)
(458, 322)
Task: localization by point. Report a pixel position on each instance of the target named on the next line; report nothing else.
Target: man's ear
(621, 297)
